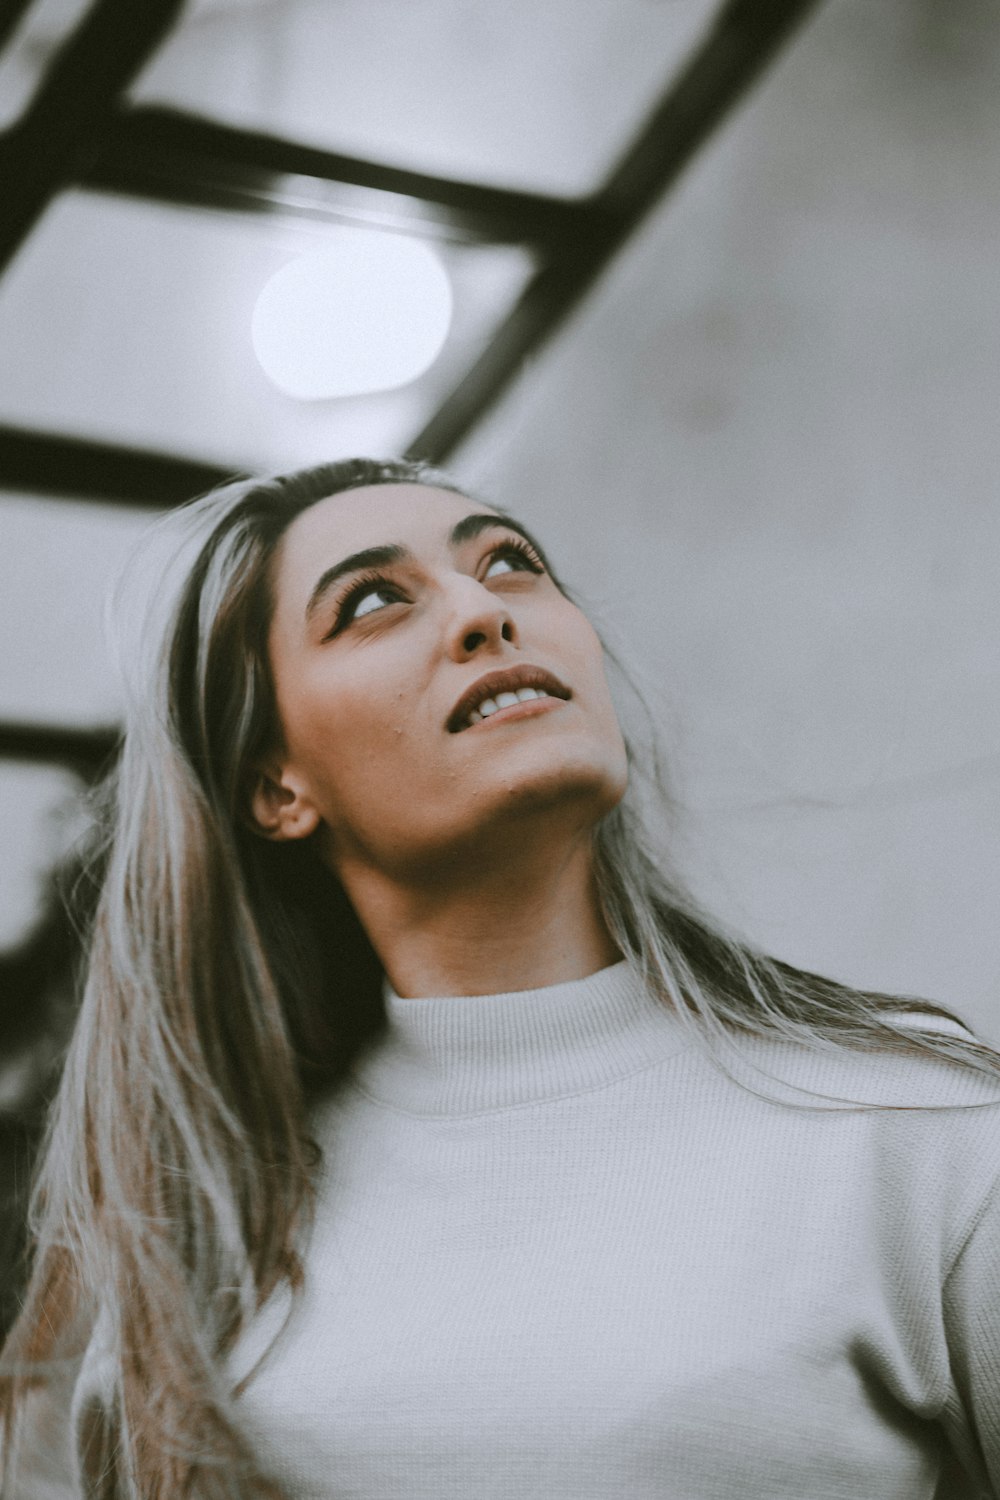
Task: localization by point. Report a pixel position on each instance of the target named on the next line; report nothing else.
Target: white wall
(767, 450)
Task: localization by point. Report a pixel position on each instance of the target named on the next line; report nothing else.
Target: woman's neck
(516, 924)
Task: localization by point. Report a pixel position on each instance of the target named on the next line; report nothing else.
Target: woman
(418, 1137)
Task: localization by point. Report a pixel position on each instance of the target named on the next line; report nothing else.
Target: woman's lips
(504, 680)
(528, 709)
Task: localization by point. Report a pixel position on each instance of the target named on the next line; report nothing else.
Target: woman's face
(395, 606)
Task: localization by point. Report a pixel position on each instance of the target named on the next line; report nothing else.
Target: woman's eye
(511, 560)
(367, 597)
(373, 599)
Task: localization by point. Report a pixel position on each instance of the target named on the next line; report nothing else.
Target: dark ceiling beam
(87, 752)
(173, 157)
(744, 38)
(11, 12)
(53, 142)
(44, 463)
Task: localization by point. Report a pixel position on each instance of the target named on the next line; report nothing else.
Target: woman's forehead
(361, 516)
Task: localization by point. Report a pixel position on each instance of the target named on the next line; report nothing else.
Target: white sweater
(559, 1255)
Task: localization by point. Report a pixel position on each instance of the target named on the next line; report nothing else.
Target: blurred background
(706, 292)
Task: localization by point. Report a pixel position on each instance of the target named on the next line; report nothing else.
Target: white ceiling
(521, 94)
(524, 94)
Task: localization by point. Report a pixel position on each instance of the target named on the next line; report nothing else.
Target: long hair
(228, 983)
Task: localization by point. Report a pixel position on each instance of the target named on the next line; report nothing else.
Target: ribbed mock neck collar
(464, 1054)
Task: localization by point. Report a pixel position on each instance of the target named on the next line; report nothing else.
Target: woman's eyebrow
(464, 530)
(471, 526)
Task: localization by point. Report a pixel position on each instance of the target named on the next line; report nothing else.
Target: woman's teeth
(503, 700)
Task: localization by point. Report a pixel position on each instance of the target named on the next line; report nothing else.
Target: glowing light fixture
(368, 312)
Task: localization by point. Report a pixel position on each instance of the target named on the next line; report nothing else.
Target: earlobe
(279, 810)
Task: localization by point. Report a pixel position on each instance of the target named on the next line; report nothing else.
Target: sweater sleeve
(44, 1468)
(59, 1454)
(972, 1328)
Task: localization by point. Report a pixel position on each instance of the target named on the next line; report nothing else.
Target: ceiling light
(368, 312)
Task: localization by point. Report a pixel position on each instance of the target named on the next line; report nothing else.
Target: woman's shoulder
(919, 1120)
(889, 1076)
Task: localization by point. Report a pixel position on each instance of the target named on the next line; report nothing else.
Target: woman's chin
(537, 803)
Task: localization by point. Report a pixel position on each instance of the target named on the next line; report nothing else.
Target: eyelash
(365, 583)
(521, 549)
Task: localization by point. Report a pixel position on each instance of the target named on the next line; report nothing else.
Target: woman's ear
(279, 808)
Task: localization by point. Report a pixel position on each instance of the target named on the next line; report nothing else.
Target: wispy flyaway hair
(228, 983)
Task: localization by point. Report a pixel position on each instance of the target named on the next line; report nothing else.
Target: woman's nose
(479, 620)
